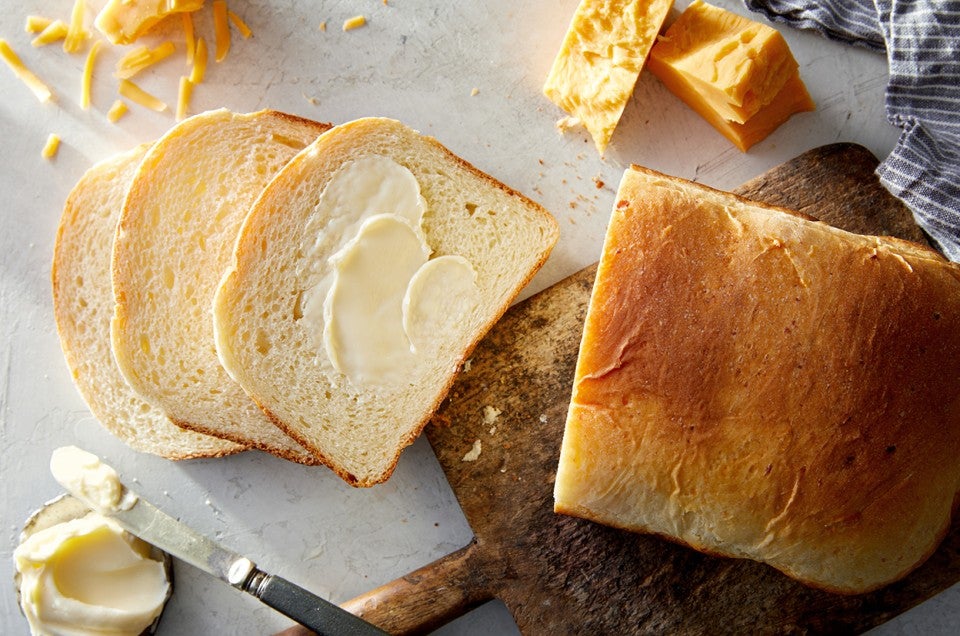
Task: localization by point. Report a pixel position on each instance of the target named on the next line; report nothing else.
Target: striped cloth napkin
(922, 41)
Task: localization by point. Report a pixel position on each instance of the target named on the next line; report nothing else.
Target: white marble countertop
(417, 61)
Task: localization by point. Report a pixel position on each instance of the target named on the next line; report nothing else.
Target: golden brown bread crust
(759, 385)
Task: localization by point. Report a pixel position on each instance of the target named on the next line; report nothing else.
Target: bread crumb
(490, 414)
(474, 452)
(493, 430)
(543, 418)
(467, 365)
(598, 182)
(355, 22)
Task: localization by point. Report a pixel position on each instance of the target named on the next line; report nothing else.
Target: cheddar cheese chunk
(737, 74)
(600, 59)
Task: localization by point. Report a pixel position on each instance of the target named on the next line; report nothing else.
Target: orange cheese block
(737, 74)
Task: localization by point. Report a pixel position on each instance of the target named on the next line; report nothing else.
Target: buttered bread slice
(756, 384)
(83, 306)
(363, 277)
(174, 240)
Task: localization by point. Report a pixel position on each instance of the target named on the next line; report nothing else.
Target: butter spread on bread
(756, 384)
(83, 307)
(267, 341)
(174, 240)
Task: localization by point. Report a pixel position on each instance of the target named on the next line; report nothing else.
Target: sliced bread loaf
(174, 240)
(83, 306)
(363, 277)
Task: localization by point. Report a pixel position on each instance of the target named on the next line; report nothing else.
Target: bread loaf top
(757, 384)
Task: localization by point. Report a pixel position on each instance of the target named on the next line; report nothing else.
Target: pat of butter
(382, 306)
(601, 57)
(123, 21)
(89, 479)
(88, 576)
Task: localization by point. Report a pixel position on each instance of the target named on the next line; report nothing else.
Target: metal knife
(144, 520)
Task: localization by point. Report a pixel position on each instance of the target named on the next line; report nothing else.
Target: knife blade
(99, 487)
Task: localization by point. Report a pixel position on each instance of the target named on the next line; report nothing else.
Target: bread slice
(83, 306)
(272, 336)
(174, 240)
(756, 384)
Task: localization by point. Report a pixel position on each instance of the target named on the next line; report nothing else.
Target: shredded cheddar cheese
(355, 22)
(136, 94)
(37, 23)
(188, 36)
(76, 34)
(221, 29)
(117, 110)
(26, 75)
(199, 62)
(88, 75)
(240, 24)
(50, 148)
(53, 32)
(183, 97)
(141, 58)
(323, 26)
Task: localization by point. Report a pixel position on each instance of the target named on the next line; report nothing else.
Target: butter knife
(99, 487)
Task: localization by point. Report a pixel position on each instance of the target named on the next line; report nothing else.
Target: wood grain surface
(562, 575)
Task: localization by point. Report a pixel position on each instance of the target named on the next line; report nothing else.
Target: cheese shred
(141, 58)
(183, 97)
(355, 22)
(87, 78)
(50, 148)
(240, 24)
(26, 75)
(137, 95)
(199, 62)
(221, 29)
(76, 34)
(189, 36)
(37, 23)
(53, 32)
(117, 110)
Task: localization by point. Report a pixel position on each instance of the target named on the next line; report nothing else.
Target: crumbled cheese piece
(183, 97)
(50, 148)
(76, 34)
(323, 26)
(221, 29)
(240, 24)
(199, 62)
(53, 32)
(490, 414)
(141, 58)
(474, 453)
(355, 22)
(117, 110)
(87, 78)
(37, 23)
(474, 92)
(134, 93)
(26, 75)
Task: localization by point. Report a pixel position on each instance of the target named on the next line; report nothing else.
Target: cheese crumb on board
(736, 73)
(40, 90)
(50, 148)
(87, 77)
(601, 57)
(37, 23)
(142, 58)
(53, 32)
(323, 26)
(117, 110)
(221, 29)
(240, 24)
(474, 453)
(355, 22)
(136, 94)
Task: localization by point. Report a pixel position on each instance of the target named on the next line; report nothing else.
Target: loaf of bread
(174, 240)
(363, 277)
(756, 384)
(83, 306)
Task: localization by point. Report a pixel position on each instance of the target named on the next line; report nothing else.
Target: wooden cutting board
(562, 575)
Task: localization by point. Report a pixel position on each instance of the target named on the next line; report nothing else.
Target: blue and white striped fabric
(922, 42)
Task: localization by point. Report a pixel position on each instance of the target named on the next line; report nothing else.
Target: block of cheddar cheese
(602, 55)
(737, 74)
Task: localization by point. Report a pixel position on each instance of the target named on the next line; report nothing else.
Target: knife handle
(311, 611)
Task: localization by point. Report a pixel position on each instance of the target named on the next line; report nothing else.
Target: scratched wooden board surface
(562, 575)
